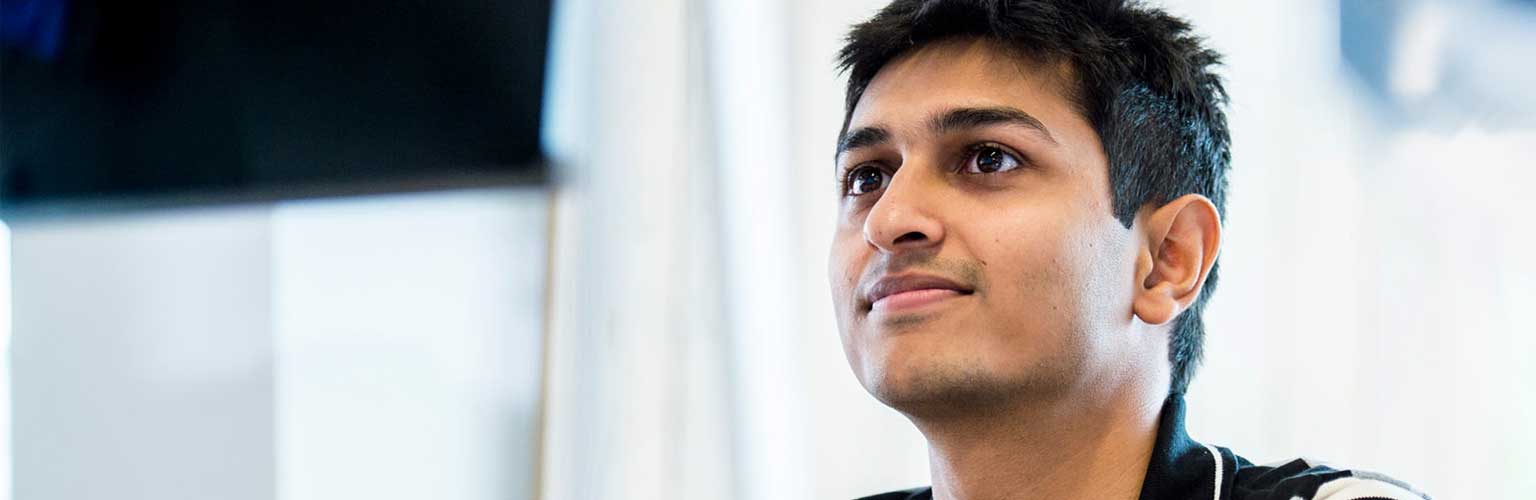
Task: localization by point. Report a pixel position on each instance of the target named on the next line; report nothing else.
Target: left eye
(990, 160)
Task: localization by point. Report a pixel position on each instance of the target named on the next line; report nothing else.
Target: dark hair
(1144, 82)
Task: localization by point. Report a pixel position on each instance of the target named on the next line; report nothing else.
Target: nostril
(911, 236)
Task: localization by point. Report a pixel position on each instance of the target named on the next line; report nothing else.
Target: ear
(1180, 241)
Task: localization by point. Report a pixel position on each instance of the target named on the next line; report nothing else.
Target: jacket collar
(1181, 468)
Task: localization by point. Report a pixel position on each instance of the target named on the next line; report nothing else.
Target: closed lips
(893, 285)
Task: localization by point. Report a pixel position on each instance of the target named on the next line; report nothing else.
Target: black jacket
(1183, 469)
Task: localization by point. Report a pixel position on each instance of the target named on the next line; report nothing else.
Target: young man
(1029, 223)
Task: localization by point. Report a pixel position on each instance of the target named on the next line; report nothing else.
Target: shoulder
(1307, 479)
(912, 494)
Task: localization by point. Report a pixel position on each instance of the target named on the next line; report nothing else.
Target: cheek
(1062, 277)
(1020, 244)
(1036, 269)
(844, 265)
(848, 256)
(1026, 274)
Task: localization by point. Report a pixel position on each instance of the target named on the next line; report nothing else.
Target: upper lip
(892, 285)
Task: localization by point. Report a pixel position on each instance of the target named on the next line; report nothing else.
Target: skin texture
(1044, 375)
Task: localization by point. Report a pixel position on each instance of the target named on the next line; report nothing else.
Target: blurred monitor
(106, 105)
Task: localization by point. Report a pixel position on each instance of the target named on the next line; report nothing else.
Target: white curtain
(636, 395)
(693, 353)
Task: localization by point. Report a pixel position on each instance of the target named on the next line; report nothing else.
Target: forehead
(963, 73)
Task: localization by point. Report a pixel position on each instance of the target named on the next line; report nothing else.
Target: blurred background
(443, 255)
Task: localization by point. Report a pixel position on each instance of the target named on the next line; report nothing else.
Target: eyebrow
(968, 118)
(954, 120)
(862, 137)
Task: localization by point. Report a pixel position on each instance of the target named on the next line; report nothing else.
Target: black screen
(125, 103)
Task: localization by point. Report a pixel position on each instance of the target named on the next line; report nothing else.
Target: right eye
(866, 179)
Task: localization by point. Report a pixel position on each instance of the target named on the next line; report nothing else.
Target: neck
(1069, 447)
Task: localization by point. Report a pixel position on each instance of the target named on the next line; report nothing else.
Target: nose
(903, 219)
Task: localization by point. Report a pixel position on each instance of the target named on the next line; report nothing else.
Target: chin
(941, 374)
(936, 385)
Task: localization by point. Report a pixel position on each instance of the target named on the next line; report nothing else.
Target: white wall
(5, 361)
(382, 347)
(408, 345)
(141, 357)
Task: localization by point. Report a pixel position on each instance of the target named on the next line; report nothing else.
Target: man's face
(977, 258)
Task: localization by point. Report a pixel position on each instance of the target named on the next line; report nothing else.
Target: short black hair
(1145, 83)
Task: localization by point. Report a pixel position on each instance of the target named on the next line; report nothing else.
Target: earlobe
(1180, 241)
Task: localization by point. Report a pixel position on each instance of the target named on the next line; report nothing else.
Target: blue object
(34, 26)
